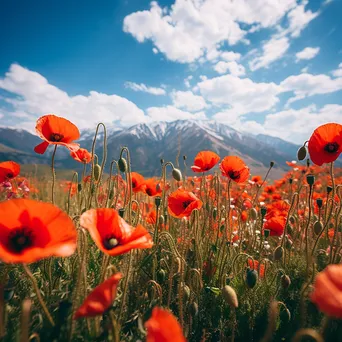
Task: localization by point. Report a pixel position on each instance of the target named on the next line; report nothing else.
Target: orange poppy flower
(235, 169)
(55, 130)
(138, 182)
(100, 299)
(163, 327)
(32, 230)
(205, 161)
(112, 234)
(327, 294)
(275, 224)
(82, 155)
(152, 187)
(152, 217)
(8, 170)
(181, 203)
(325, 144)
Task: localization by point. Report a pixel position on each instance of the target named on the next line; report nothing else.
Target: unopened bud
(301, 153)
(122, 164)
(161, 276)
(271, 164)
(329, 189)
(251, 278)
(254, 214)
(278, 253)
(263, 211)
(285, 281)
(97, 171)
(214, 213)
(79, 187)
(310, 178)
(318, 226)
(319, 202)
(186, 292)
(193, 309)
(157, 201)
(184, 157)
(229, 295)
(292, 220)
(267, 233)
(121, 212)
(177, 175)
(290, 180)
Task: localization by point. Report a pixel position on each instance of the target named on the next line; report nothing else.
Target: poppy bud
(263, 211)
(278, 253)
(318, 226)
(97, 171)
(193, 309)
(271, 164)
(158, 187)
(214, 213)
(161, 276)
(186, 292)
(177, 175)
(157, 201)
(310, 178)
(229, 295)
(184, 157)
(79, 187)
(319, 202)
(267, 233)
(292, 220)
(288, 243)
(285, 281)
(301, 153)
(122, 164)
(329, 189)
(162, 161)
(253, 214)
(251, 278)
(121, 212)
(290, 180)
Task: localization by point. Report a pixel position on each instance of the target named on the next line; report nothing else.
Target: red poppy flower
(82, 156)
(325, 144)
(327, 294)
(152, 217)
(163, 327)
(152, 187)
(112, 234)
(55, 130)
(100, 299)
(32, 230)
(235, 169)
(181, 203)
(8, 170)
(205, 161)
(275, 224)
(138, 182)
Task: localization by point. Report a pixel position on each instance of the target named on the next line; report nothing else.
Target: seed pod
(290, 180)
(310, 179)
(177, 174)
(318, 226)
(278, 253)
(263, 211)
(193, 309)
(97, 171)
(79, 187)
(267, 233)
(271, 164)
(285, 281)
(253, 213)
(251, 278)
(230, 296)
(161, 276)
(121, 212)
(329, 189)
(162, 161)
(319, 202)
(122, 164)
(214, 213)
(301, 153)
(157, 201)
(184, 157)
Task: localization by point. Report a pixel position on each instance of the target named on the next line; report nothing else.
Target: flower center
(186, 204)
(331, 147)
(234, 174)
(134, 183)
(10, 175)
(20, 239)
(149, 192)
(56, 137)
(110, 242)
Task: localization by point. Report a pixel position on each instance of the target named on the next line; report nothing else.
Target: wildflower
(235, 169)
(138, 182)
(100, 299)
(327, 294)
(205, 161)
(181, 203)
(32, 230)
(325, 144)
(163, 327)
(8, 170)
(152, 187)
(82, 156)
(55, 130)
(112, 234)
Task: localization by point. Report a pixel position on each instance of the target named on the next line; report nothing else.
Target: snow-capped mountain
(148, 143)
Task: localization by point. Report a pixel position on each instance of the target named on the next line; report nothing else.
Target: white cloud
(187, 81)
(338, 71)
(307, 53)
(171, 113)
(272, 50)
(234, 68)
(188, 100)
(36, 97)
(190, 28)
(144, 88)
(241, 94)
(230, 56)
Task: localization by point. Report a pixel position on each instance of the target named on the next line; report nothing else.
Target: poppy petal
(41, 148)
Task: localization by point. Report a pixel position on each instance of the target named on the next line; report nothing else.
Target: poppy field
(204, 251)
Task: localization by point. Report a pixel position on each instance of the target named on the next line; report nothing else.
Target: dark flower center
(134, 183)
(110, 242)
(149, 191)
(331, 147)
(10, 175)
(186, 204)
(56, 137)
(234, 174)
(20, 239)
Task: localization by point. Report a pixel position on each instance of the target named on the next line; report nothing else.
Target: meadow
(206, 252)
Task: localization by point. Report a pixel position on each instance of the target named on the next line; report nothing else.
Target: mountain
(148, 143)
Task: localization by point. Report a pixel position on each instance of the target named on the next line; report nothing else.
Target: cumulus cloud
(234, 68)
(307, 53)
(171, 113)
(144, 88)
(338, 71)
(188, 100)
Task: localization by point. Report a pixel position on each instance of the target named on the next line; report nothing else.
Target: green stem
(53, 175)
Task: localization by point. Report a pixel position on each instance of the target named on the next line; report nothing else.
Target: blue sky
(262, 66)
